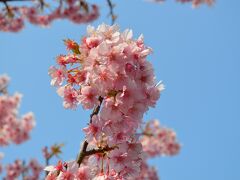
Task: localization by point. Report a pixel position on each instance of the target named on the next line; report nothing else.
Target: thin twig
(111, 13)
(3, 90)
(84, 5)
(145, 134)
(7, 8)
(84, 151)
(24, 170)
(96, 109)
(47, 164)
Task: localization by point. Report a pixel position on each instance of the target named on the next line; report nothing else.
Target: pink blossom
(70, 96)
(195, 3)
(94, 130)
(111, 75)
(14, 170)
(58, 75)
(111, 110)
(12, 128)
(31, 170)
(13, 18)
(88, 97)
(158, 140)
(147, 173)
(83, 173)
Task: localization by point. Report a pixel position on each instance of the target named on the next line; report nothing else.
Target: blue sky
(196, 54)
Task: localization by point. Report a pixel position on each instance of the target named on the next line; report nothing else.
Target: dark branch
(84, 151)
(100, 150)
(3, 90)
(81, 155)
(111, 13)
(8, 9)
(96, 109)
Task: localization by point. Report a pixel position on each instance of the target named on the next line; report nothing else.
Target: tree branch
(99, 150)
(84, 151)
(111, 13)
(96, 109)
(9, 12)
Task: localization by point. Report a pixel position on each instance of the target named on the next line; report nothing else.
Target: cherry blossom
(30, 171)
(159, 141)
(13, 129)
(108, 72)
(43, 13)
(39, 12)
(195, 3)
(147, 172)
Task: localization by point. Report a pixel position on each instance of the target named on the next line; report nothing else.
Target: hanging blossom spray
(108, 72)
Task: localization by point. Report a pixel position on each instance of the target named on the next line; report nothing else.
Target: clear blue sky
(196, 54)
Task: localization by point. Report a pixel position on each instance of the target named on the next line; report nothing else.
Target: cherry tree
(108, 73)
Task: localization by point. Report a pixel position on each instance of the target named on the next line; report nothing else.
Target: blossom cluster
(71, 171)
(147, 173)
(156, 141)
(195, 3)
(109, 70)
(12, 18)
(159, 141)
(13, 129)
(30, 171)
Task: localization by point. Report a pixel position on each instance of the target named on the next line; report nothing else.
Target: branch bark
(84, 151)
